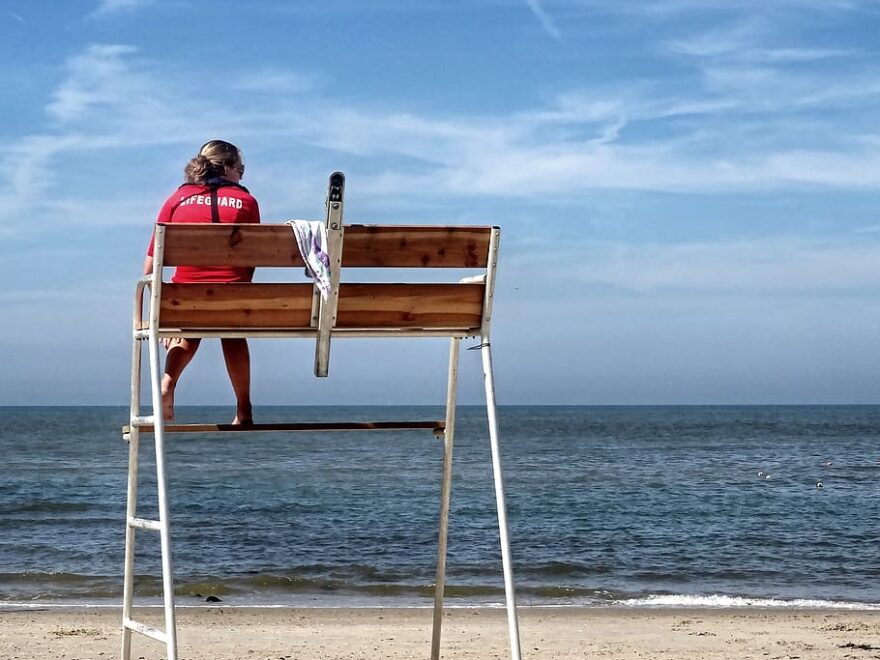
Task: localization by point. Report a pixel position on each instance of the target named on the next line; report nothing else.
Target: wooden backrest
(365, 246)
(456, 307)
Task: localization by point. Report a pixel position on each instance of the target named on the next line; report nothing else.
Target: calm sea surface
(607, 505)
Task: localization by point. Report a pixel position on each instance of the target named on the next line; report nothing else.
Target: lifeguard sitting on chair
(211, 193)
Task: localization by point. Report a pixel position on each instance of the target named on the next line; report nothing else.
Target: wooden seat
(456, 308)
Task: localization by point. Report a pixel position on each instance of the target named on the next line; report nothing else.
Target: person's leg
(180, 353)
(238, 364)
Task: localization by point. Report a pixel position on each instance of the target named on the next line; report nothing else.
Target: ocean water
(608, 506)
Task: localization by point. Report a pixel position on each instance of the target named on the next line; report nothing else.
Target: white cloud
(111, 6)
(30, 168)
(544, 18)
(275, 81)
(511, 156)
(107, 112)
(768, 265)
(665, 8)
(95, 78)
(763, 68)
(736, 47)
(707, 138)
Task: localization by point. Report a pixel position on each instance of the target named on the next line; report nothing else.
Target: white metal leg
(161, 483)
(445, 495)
(131, 505)
(131, 509)
(489, 381)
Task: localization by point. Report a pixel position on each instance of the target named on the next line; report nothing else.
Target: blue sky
(689, 190)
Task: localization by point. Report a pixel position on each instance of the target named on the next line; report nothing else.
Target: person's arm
(167, 342)
(165, 214)
(254, 219)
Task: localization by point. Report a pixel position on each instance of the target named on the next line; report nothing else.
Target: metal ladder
(133, 522)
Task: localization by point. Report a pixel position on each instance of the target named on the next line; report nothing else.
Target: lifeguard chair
(400, 309)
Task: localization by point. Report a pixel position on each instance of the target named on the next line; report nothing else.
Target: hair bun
(212, 160)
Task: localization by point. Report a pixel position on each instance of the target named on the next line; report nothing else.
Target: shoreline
(21, 606)
(325, 602)
(230, 633)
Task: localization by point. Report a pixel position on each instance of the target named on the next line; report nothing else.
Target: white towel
(311, 238)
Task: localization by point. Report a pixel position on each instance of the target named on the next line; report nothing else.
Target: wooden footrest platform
(438, 427)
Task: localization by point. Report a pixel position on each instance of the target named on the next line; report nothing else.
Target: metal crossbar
(354, 310)
(144, 629)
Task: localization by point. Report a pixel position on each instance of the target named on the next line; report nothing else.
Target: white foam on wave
(715, 601)
(720, 600)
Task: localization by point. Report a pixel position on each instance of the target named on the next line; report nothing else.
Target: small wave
(724, 601)
(563, 568)
(284, 584)
(32, 585)
(45, 507)
(55, 577)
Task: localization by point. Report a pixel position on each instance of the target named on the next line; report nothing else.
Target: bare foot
(167, 400)
(243, 416)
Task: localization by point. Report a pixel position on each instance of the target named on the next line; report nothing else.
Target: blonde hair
(211, 162)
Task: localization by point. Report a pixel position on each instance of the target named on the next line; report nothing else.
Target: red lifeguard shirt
(192, 203)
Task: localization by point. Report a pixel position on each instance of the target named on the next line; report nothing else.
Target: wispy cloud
(757, 62)
(522, 154)
(544, 18)
(112, 6)
(768, 265)
(738, 45)
(103, 104)
(93, 78)
(15, 16)
(276, 81)
(665, 8)
(744, 127)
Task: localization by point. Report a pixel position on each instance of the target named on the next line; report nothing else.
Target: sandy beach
(220, 633)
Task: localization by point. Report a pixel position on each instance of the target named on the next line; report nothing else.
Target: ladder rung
(436, 426)
(144, 523)
(144, 629)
